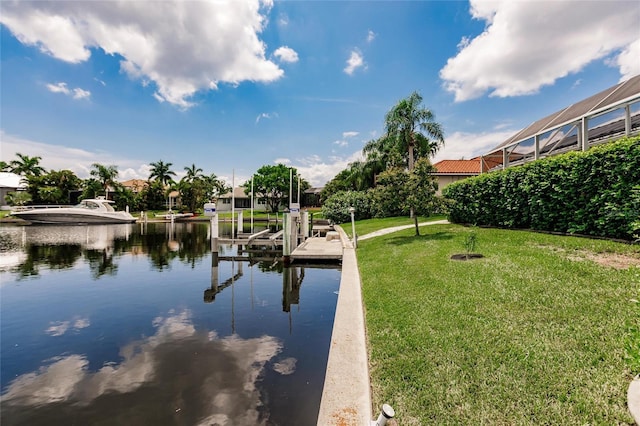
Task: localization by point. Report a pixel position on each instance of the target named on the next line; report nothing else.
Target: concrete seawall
(346, 397)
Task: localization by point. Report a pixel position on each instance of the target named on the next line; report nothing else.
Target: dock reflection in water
(107, 325)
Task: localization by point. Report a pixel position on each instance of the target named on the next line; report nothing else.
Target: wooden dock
(327, 248)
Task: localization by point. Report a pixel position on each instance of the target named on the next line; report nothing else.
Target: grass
(533, 333)
(370, 225)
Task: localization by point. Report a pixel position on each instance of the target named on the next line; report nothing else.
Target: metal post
(286, 237)
(214, 234)
(627, 120)
(304, 222)
(233, 202)
(584, 125)
(353, 227)
(386, 413)
(290, 185)
(252, 196)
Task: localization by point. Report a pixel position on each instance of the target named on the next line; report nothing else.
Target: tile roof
(458, 167)
(134, 183)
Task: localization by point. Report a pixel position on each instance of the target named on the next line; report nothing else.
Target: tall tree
(271, 184)
(413, 129)
(162, 172)
(54, 187)
(193, 173)
(106, 175)
(26, 166)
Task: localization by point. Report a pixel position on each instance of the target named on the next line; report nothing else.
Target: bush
(592, 193)
(336, 208)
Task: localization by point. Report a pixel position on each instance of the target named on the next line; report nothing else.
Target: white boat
(95, 210)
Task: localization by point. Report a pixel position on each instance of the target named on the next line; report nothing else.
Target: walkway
(399, 228)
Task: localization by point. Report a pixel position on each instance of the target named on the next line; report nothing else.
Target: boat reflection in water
(135, 344)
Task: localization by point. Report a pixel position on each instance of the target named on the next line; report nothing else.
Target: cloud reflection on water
(179, 373)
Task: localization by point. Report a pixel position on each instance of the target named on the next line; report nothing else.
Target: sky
(231, 86)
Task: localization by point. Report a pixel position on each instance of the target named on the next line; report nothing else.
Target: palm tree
(414, 129)
(193, 173)
(162, 172)
(4, 166)
(214, 187)
(26, 166)
(106, 175)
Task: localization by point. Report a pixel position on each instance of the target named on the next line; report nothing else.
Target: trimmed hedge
(596, 193)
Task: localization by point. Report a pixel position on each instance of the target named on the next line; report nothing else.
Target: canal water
(140, 325)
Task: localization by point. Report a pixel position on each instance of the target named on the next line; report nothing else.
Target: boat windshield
(85, 204)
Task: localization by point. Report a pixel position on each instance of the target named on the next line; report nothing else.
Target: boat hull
(73, 218)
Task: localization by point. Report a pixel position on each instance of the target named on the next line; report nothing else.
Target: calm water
(139, 325)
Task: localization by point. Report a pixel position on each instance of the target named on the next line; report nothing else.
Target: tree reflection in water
(142, 347)
(60, 247)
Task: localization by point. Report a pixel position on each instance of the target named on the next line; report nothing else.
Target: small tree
(420, 190)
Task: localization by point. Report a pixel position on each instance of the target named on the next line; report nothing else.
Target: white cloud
(341, 143)
(266, 115)
(529, 44)
(283, 20)
(76, 93)
(81, 94)
(461, 145)
(370, 36)
(350, 134)
(629, 61)
(318, 171)
(286, 54)
(79, 161)
(354, 62)
(59, 88)
(284, 161)
(182, 47)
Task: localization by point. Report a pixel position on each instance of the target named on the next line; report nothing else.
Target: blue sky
(231, 86)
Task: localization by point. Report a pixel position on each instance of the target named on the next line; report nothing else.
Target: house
(449, 171)
(603, 117)
(9, 182)
(242, 201)
(311, 197)
(135, 185)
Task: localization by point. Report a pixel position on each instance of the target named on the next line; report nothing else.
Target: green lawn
(533, 333)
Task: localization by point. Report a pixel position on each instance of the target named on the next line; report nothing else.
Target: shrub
(336, 207)
(595, 193)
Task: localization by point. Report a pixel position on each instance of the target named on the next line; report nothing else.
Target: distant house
(242, 201)
(9, 182)
(449, 171)
(135, 185)
(311, 197)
